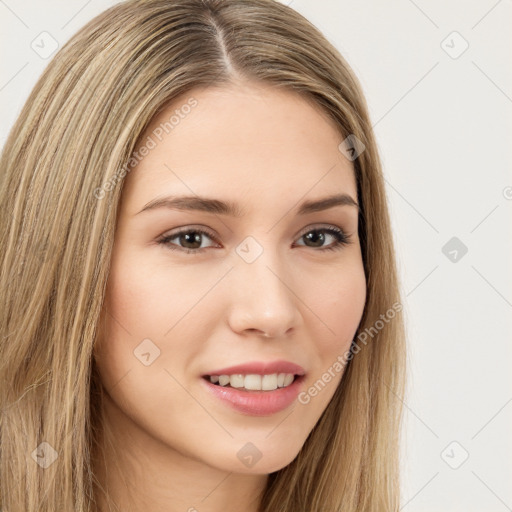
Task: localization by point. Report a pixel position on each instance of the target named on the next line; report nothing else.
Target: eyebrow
(218, 207)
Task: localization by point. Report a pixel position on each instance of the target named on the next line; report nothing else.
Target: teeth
(288, 380)
(269, 382)
(254, 382)
(223, 380)
(236, 381)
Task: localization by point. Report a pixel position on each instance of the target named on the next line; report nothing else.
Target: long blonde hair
(76, 131)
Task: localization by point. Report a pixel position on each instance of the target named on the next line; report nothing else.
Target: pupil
(191, 238)
(315, 235)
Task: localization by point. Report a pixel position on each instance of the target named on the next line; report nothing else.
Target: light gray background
(443, 122)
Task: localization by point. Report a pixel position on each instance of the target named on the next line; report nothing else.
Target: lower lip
(256, 403)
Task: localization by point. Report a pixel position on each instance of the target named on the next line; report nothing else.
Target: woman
(144, 370)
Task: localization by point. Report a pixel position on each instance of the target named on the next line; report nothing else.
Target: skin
(175, 445)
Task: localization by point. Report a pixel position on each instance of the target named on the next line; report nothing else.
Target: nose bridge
(263, 298)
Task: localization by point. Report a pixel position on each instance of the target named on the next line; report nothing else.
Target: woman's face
(260, 290)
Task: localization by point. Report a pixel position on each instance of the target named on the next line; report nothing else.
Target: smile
(254, 382)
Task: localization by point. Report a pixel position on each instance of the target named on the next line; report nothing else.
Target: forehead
(241, 141)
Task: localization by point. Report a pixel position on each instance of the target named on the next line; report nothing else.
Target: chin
(253, 461)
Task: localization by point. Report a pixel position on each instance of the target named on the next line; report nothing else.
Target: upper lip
(260, 368)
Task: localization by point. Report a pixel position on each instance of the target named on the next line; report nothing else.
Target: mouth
(256, 388)
(254, 382)
(255, 394)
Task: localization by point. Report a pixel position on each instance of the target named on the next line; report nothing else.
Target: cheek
(338, 303)
(141, 367)
(338, 299)
(156, 295)
(150, 316)
(131, 316)
(142, 300)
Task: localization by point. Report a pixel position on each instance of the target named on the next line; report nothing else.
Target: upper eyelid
(210, 233)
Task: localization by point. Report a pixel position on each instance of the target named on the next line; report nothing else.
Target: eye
(192, 238)
(316, 235)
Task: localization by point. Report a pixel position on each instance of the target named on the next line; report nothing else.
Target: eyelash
(342, 239)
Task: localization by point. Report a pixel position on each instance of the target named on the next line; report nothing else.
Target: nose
(263, 299)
